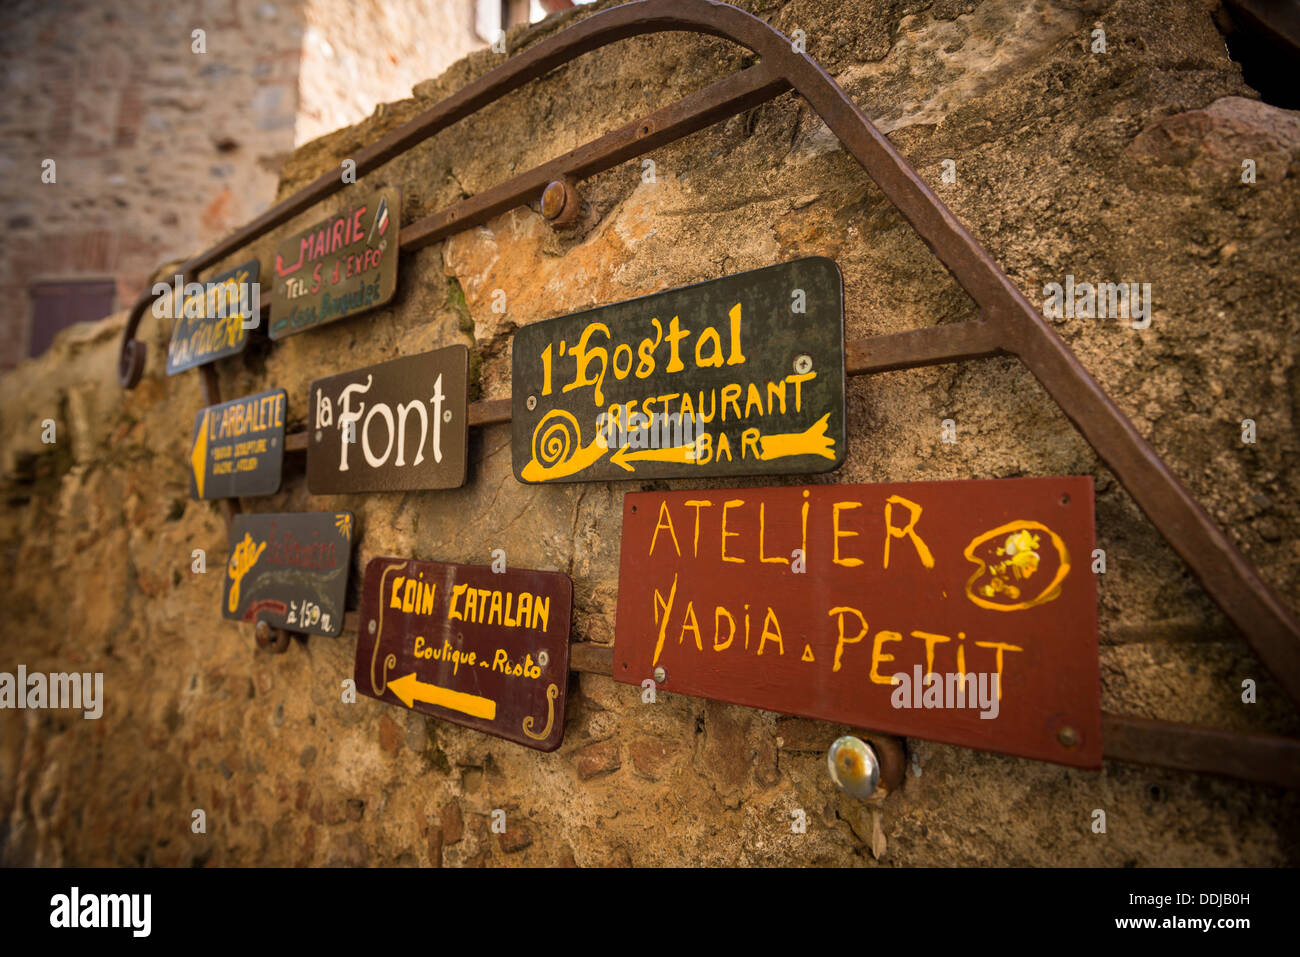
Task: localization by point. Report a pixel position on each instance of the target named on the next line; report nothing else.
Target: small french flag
(381, 219)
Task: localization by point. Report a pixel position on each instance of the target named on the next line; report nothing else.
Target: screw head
(554, 199)
(853, 766)
(543, 658)
(446, 415)
(319, 435)
(803, 364)
(371, 626)
(660, 675)
(1068, 736)
(531, 402)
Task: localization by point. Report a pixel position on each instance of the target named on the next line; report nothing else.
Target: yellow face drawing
(1015, 564)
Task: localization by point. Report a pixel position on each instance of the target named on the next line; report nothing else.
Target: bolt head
(554, 199)
(853, 767)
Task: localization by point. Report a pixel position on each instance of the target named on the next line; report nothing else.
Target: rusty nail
(553, 200)
(561, 203)
(262, 632)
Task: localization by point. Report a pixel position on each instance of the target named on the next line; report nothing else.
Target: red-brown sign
(962, 612)
(460, 642)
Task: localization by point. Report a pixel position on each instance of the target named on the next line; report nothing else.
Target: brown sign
(341, 266)
(742, 375)
(397, 425)
(866, 604)
(459, 642)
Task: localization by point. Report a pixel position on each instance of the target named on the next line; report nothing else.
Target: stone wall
(1120, 166)
(356, 55)
(161, 150)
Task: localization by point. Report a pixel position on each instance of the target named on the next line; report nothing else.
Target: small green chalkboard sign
(345, 264)
(238, 447)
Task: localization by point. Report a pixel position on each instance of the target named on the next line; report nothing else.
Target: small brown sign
(459, 642)
(962, 612)
(343, 265)
(398, 425)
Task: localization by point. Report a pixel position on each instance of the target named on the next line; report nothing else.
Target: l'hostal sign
(289, 570)
(459, 642)
(741, 375)
(402, 424)
(345, 264)
(962, 612)
(238, 447)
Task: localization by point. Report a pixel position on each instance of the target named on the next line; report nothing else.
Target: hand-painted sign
(341, 266)
(238, 447)
(741, 375)
(401, 424)
(484, 650)
(289, 570)
(214, 323)
(962, 612)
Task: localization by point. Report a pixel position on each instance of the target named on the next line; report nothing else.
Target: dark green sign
(212, 319)
(290, 571)
(238, 447)
(742, 375)
(343, 265)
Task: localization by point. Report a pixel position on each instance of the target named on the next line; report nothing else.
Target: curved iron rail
(1009, 323)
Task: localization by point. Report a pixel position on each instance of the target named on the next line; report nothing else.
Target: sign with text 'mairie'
(742, 375)
(238, 447)
(962, 612)
(398, 425)
(459, 642)
(290, 570)
(216, 323)
(343, 265)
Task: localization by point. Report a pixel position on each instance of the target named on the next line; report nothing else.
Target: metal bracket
(1008, 323)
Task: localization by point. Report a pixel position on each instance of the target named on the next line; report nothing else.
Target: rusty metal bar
(1009, 323)
(737, 93)
(899, 350)
(1260, 758)
(1257, 758)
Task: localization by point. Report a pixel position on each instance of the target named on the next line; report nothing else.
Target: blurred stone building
(163, 139)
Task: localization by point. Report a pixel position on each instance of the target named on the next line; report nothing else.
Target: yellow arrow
(678, 453)
(812, 441)
(409, 689)
(199, 454)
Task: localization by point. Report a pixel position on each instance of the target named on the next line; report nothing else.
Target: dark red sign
(962, 612)
(460, 642)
